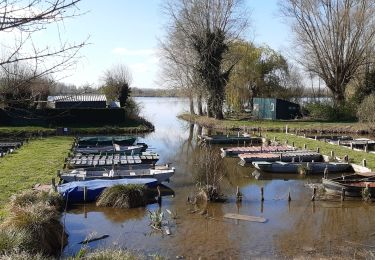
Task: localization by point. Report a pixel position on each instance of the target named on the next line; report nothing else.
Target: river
(296, 228)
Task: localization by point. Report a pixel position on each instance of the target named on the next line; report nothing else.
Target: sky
(128, 32)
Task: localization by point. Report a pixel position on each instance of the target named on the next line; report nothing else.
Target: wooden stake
(84, 194)
(364, 163)
(318, 149)
(332, 154)
(314, 194)
(289, 197)
(262, 193)
(342, 194)
(305, 146)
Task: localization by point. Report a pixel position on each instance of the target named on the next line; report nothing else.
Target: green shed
(274, 108)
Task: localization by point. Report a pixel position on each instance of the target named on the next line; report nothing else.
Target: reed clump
(123, 196)
(39, 227)
(28, 197)
(209, 175)
(22, 256)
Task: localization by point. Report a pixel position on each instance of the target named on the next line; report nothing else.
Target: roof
(77, 98)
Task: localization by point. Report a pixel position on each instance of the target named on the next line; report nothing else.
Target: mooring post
(286, 129)
(159, 195)
(289, 197)
(339, 142)
(332, 154)
(351, 145)
(84, 194)
(314, 194)
(316, 137)
(346, 158)
(342, 194)
(304, 135)
(238, 195)
(305, 146)
(318, 149)
(54, 185)
(366, 148)
(364, 163)
(262, 193)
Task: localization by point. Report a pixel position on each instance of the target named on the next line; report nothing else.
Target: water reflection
(296, 228)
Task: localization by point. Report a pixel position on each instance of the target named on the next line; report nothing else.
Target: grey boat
(161, 173)
(310, 167)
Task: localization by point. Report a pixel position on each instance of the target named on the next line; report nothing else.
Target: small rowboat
(235, 151)
(353, 184)
(105, 140)
(296, 156)
(126, 150)
(161, 173)
(229, 139)
(310, 167)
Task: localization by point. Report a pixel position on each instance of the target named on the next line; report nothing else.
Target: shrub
(32, 196)
(41, 228)
(329, 112)
(123, 196)
(132, 109)
(366, 110)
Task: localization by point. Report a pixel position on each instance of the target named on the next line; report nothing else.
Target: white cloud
(128, 52)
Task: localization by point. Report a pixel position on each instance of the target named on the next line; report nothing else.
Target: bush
(38, 229)
(132, 109)
(123, 196)
(366, 110)
(329, 112)
(28, 197)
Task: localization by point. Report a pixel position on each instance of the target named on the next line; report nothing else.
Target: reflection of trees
(327, 231)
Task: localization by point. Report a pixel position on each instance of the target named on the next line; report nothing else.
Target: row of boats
(8, 147)
(100, 162)
(284, 159)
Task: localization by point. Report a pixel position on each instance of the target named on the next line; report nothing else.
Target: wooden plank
(245, 217)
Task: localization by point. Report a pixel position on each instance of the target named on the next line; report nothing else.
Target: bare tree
(205, 28)
(117, 81)
(21, 21)
(334, 36)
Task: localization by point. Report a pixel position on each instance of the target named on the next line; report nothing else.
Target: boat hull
(73, 192)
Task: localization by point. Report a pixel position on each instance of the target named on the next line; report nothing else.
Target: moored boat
(296, 156)
(235, 151)
(161, 173)
(89, 191)
(352, 184)
(229, 139)
(105, 140)
(309, 167)
(93, 160)
(126, 150)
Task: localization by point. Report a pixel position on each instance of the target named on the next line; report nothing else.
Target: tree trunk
(191, 100)
(200, 105)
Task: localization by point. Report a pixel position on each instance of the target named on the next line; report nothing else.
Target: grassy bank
(270, 129)
(279, 125)
(35, 162)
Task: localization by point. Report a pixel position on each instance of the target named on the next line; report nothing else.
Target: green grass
(35, 162)
(276, 125)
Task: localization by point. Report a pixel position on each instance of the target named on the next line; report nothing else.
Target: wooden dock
(229, 139)
(235, 151)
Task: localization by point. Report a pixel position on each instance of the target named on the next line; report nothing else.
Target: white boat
(161, 173)
(311, 167)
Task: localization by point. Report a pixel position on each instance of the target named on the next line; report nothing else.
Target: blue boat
(73, 192)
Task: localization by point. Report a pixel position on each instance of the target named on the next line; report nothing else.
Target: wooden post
(304, 135)
(54, 185)
(316, 137)
(339, 142)
(159, 195)
(84, 194)
(286, 129)
(364, 163)
(346, 158)
(351, 145)
(342, 194)
(305, 146)
(293, 144)
(332, 154)
(325, 172)
(289, 197)
(318, 149)
(314, 194)
(262, 193)
(366, 148)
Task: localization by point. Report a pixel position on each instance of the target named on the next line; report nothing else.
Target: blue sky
(127, 32)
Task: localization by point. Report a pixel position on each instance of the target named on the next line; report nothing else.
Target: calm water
(299, 228)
